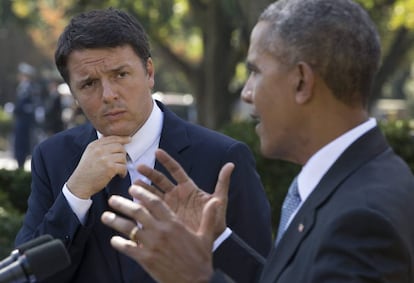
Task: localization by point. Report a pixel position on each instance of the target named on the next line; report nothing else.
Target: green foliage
(10, 221)
(14, 191)
(400, 136)
(276, 175)
(6, 124)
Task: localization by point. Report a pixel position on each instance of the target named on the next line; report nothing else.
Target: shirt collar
(317, 166)
(146, 135)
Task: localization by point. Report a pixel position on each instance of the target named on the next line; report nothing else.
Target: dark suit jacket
(356, 226)
(200, 151)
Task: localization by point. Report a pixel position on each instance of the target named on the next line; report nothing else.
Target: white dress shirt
(317, 166)
(141, 150)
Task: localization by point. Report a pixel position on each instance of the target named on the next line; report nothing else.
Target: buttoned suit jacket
(201, 152)
(356, 226)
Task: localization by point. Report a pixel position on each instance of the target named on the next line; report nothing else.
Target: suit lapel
(174, 140)
(360, 152)
(85, 134)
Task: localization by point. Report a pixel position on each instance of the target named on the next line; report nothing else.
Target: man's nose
(108, 91)
(246, 94)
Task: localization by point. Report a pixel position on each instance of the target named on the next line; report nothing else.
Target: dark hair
(336, 37)
(101, 29)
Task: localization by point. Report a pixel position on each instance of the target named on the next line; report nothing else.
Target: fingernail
(114, 199)
(108, 216)
(134, 189)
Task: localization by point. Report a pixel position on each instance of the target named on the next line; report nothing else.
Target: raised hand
(164, 246)
(185, 198)
(175, 239)
(103, 159)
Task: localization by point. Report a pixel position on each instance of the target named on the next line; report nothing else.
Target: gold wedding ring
(133, 234)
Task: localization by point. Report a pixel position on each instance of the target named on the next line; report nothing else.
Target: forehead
(105, 59)
(258, 40)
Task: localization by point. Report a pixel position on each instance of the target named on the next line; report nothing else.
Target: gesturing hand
(185, 198)
(168, 249)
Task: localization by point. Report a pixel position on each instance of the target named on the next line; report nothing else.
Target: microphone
(37, 264)
(21, 249)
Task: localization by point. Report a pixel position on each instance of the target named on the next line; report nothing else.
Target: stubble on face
(117, 97)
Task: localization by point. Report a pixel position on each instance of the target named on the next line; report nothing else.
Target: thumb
(222, 186)
(210, 226)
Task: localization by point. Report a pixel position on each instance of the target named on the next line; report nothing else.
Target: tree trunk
(216, 69)
(392, 60)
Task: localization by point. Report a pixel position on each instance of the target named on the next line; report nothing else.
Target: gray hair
(336, 37)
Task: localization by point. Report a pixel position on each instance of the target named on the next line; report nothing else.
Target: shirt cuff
(222, 238)
(79, 206)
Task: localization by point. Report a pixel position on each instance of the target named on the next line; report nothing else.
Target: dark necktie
(290, 204)
(119, 186)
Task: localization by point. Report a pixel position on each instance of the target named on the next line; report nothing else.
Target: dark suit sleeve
(220, 277)
(250, 263)
(362, 246)
(248, 215)
(49, 213)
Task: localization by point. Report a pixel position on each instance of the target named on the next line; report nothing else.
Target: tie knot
(293, 191)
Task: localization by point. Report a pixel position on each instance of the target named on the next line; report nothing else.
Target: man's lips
(255, 117)
(114, 114)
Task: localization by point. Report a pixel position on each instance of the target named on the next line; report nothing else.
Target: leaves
(200, 45)
(402, 15)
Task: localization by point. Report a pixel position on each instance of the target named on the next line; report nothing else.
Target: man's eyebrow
(119, 68)
(84, 80)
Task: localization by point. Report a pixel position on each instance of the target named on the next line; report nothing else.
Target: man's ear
(150, 72)
(304, 82)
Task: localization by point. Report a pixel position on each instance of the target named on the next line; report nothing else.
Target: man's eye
(251, 70)
(88, 84)
(122, 74)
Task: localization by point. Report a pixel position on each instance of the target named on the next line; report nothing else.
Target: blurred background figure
(53, 108)
(24, 112)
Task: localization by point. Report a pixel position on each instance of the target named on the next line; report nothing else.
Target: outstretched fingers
(155, 190)
(213, 219)
(157, 178)
(222, 186)
(118, 223)
(128, 247)
(176, 171)
(156, 207)
(210, 217)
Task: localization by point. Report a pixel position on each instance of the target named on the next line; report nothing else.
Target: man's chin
(115, 132)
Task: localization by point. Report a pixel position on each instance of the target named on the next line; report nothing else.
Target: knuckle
(154, 202)
(137, 210)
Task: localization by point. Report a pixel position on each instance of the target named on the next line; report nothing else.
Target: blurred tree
(207, 40)
(204, 40)
(201, 44)
(20, 21)
(395, 21)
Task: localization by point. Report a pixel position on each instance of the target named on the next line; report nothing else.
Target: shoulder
(174, 126)
(78, 136)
